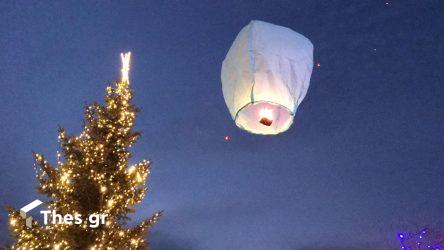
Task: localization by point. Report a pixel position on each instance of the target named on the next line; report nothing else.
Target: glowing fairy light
(266, 116)
(110, 202)
(65, 178)
(125, 66)
(131, 169)
(139, 177)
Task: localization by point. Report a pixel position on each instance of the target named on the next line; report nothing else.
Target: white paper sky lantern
(265, 77)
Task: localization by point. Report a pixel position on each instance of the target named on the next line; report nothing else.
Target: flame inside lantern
(266, 116)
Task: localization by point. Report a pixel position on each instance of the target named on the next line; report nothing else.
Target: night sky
(363, 160)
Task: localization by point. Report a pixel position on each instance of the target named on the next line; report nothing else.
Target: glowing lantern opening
(265, 76)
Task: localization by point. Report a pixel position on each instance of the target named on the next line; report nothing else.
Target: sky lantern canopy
(265, 76)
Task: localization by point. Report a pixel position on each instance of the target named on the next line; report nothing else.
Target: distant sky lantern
(265, 77)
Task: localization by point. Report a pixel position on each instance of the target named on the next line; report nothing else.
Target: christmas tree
(92, 176)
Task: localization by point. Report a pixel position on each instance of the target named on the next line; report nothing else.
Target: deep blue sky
(363, 159)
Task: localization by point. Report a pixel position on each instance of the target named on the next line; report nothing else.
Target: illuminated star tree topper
(125, 57)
